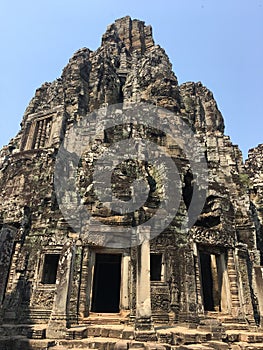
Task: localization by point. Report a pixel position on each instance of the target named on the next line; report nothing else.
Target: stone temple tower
(61, 282)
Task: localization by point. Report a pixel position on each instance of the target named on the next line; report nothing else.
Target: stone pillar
(224, 287)
(83, 297)
(125, 282)
(59, 321)
(258, 270)
(233, 283)
(144, 329)
(246, 304)
(199, 300)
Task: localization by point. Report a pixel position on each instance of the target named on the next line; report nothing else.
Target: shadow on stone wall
(15, 317)
(15, 285)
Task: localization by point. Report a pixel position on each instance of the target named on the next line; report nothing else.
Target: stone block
(93, 331)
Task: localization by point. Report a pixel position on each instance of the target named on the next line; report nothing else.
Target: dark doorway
(106, 283)
(50, 268)
(207, 281)
(156, 267)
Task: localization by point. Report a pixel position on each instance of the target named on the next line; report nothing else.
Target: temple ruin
(196, 288)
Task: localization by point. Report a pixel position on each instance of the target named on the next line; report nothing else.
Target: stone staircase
(211, 334)
(108, 319)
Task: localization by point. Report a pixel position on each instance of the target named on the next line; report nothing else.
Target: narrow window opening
(188, 189)
(42, 132)
(50, 268)
(156, 267)
(121, 96)
(122, 78)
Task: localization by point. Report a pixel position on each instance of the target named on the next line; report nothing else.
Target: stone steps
(37, 331)
(122, 337)
(102, 319)
(108, 344)
(182, 335)
(238, 326)
(194, 347)
(23, 343)
(14, 330)
(100, 343)
(218, 345)
(247, 346)
(233, 336)
(89, 343)
(104, 331)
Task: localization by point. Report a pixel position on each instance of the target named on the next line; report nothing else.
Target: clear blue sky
(219, 43)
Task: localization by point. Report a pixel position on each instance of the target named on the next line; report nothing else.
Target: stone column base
(145, 335)
(174, 314)
(57, 327)
(187, 317)
(144, 330)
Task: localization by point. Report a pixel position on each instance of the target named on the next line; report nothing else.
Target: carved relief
(43, 299)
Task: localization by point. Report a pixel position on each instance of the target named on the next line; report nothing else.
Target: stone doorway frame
(106, 284)
(87, 279)
(219, 270)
